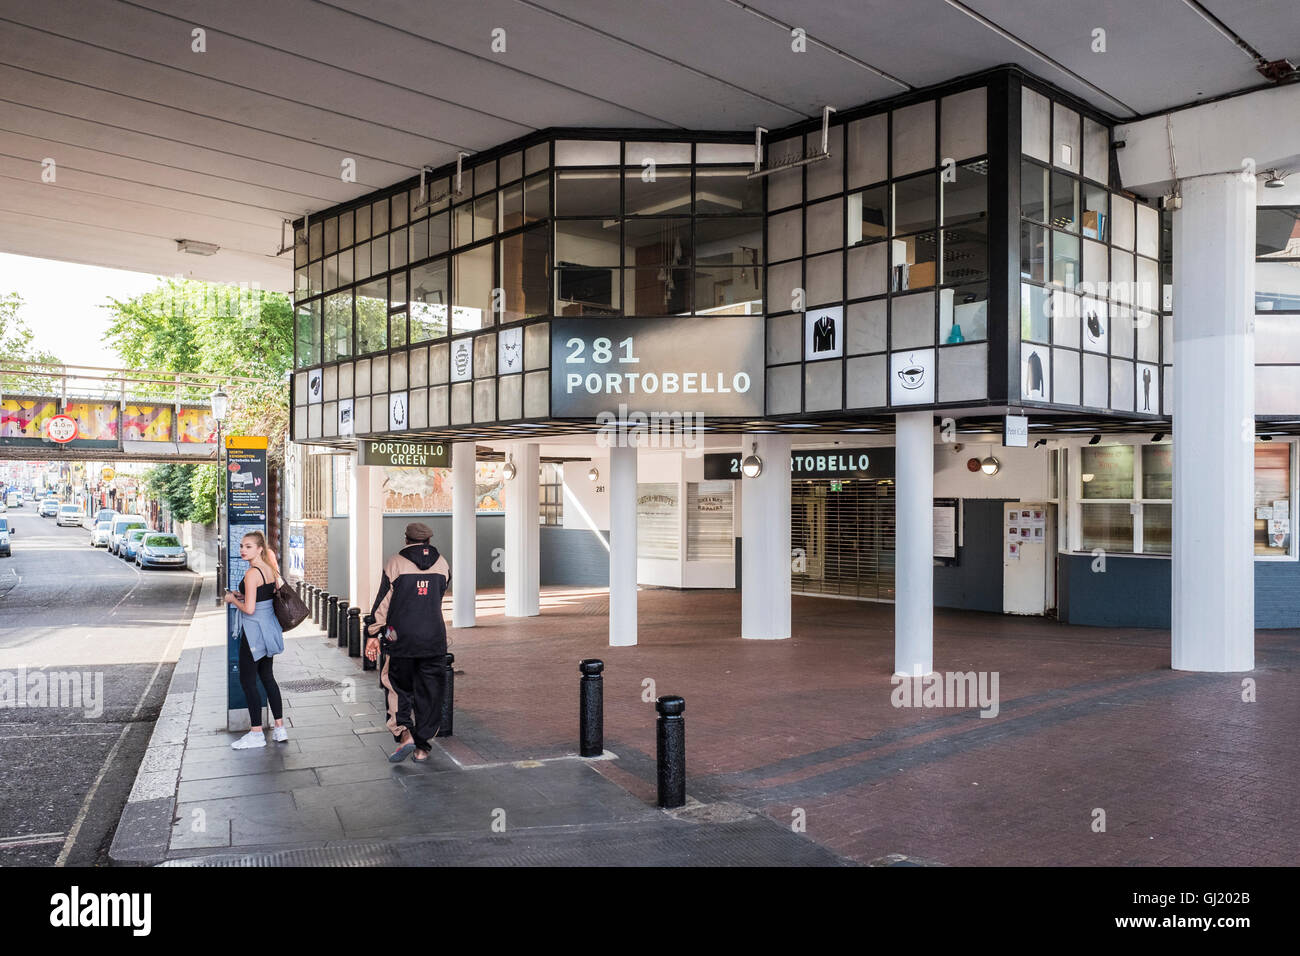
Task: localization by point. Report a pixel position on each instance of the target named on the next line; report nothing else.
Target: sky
(61, 304)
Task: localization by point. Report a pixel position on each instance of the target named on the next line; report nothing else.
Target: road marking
(31, 839)
(181, 630)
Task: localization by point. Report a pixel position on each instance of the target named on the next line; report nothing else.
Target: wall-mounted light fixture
(1094, 439)
(1158, 436)
(1087, 476)
(593, 474)
(752, 466)
(990, 465)
(1041, 441)
(509, 471)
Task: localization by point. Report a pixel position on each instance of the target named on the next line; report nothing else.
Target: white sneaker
(280, 734)
(250, 740)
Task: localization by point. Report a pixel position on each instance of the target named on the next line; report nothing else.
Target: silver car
(69, 516)
(160, 551)
(99, 537)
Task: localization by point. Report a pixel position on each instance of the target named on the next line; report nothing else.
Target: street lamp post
(220, 404)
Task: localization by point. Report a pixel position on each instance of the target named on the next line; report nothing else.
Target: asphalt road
(68, 761)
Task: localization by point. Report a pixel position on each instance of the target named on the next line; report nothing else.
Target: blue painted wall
(1137, 592)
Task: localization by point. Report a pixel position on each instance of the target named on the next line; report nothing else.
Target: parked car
(49, 507)
(99, 537)
(13, 500)
(130, 545)
(69, 516)
(5, 550)
(161, 551)
(121, 525)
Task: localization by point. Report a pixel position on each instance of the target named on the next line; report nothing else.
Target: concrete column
(464, 534)
(1214, 426)
(914, 544)
(522, 537)
(365, 534)
(622, 546)
(765, 536)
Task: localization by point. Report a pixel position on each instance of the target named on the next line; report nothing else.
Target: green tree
(16, 349)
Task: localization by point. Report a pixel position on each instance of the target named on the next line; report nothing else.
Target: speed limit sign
(61, 429)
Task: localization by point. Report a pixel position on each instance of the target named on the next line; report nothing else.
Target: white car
(69, 516)
(99, 537)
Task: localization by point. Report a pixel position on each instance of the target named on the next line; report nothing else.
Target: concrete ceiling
(154, 142)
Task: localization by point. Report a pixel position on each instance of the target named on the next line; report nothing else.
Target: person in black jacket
(408, 620)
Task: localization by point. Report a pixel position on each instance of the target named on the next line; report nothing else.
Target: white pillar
(765, 537)
(1214, 426)
(365, 534)
(914, 544)
(522, 537)
(622, 546)
(464, 534)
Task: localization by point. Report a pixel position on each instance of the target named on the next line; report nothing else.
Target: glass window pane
(1035, 313)
(485, 178)
(728, 291)
(915, 259)
(586, 153)
(586, 242)
(537, 198)
(586, 290)
(314, 235)
(471, 283)
(1096, 151)
(462, 225)
(399, 206)
(338, 326)
(511, 207)
(586, 193)
(1095, 215)
(397, 330)
(914, 204)
(668, 191)
(723, 191)
(1065, 259)
(1107, 526)
(660, 291)
(964, 314)
(307, 334)
(439, 234)
(346, 272)
(657, 242)
(299, 247)
(372, 317)
(1065, 202)
(1272, 485)
(378, 255)
(331, 274)
(1277, 232)
(1107, 471)
(1033, 191)
(512, 167)
(729, 242)
(485, 216)
(1277, 286)
(379, 218)
(315, 278)
(345, 229)
(868, 215)
(537, 158)
(661, 154)
(1033, 252)
(396, 248)
(429, 301)
(301, 285)
(363, 223)
(419, 240)
(1157, 529)
(914, 138)
(397, 290)
(331, 236)
(524, 275)
(1158, 471)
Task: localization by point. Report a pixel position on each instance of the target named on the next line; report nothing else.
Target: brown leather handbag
(289, 609)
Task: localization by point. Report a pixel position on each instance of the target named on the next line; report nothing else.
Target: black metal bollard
(354, 632)
(366, 663)
(343, 624)
(316, 595)
(670, 750)
(332, 618)
(445, 725)
(591, 709)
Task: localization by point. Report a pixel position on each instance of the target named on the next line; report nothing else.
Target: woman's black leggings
(249, 673)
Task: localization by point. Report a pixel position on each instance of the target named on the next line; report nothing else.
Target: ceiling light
(1274, 179)
(752, 466)
(196, 248)
(990, 465)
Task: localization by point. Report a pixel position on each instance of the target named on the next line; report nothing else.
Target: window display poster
(945, 531)
(1013, 550)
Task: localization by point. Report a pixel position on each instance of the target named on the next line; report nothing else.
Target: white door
(1024, 557)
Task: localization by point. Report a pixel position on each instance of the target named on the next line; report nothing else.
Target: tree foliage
(16, 341)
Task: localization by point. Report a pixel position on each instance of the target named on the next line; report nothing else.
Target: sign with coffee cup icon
(911, 378)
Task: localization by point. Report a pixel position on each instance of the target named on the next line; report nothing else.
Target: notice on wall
(1264, 513)
(945, 531)
(1013, 550)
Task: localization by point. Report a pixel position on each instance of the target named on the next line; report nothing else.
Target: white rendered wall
(522, 538)
(622, 540)
(464, 534)
(765, 560)
(914, 545)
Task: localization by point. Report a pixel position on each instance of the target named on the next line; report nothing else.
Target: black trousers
(413, 695)
(250, 672)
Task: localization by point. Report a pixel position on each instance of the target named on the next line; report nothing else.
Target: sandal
(401, 753)
(421, 756)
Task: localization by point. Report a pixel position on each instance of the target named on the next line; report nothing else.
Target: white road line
(181, 630)
(30, 839)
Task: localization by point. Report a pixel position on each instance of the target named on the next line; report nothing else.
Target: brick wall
(316, 560)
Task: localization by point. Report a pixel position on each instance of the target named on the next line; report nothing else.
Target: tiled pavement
(799, 732)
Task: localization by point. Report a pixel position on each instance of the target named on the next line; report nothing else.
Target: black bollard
(445, 725)
(366, 663)
(316, 595)
(591, 709)
(670, 750)
(343, 624)
(354, 632)
(332, 618)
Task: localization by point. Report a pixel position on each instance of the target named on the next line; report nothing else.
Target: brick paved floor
(1090, 719)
